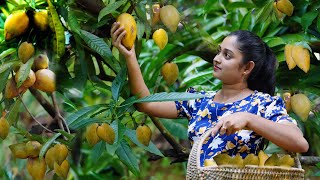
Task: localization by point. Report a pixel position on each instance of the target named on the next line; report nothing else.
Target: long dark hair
(262, 78)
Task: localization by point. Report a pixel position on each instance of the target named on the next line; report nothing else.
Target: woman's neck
(231, 93)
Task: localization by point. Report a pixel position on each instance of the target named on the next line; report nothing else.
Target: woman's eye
(227, 55)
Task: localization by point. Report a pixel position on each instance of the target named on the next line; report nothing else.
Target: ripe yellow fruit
(155, 14)
(237, 161)
(273, 160)
(16, 24)
(36, 168)
(12, 91)
(40, 62)
(170, 72)
(170, 17)
(286, 161)
(50, 157)
(262, 158)
(210, 162)
(31, 79)
(279, 13)
(33, 148)
(91, 134)
(106, 133)
(19, 150)
(45, 80)
(61, 153)
(222, 159)
(41, 20)
(25, 51)
(285, 6)
(301, 106)
(62, 170)
(287, 100)
(4, 128)
(130, 25)
(288, 55)
(301, 57)
(251, 159)
(160, 37)
(143, 133)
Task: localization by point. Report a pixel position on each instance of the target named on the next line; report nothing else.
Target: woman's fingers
(216, 128)
(119, 38)
(114, 27)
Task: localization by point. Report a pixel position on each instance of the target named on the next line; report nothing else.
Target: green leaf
(306, 19)
(7, 52)
(97, 44)
(140, 29)
(83, 113)
(131, 134)
(304, 44)
(127, 157)
(110, 8)
(164, 96)
(118, 83)
(64, 133)
(236, 5)
(318, 23)
(275, 41)
(97, 150)
(73, 22)
(81, 123)
(119, 129)
(246, 21)
(265, 12)
(58, 29)
(24, 71)
(7, 65)
(4, 78)
(13, 113)
(46, 146)
(177, 127)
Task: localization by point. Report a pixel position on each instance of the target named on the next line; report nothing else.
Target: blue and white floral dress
(203, 114)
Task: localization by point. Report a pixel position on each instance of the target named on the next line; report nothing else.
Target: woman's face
(228, 62)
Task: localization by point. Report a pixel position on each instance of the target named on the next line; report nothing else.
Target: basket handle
(199, 143)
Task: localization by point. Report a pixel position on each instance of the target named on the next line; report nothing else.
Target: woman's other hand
(230, 124)
(117, 33)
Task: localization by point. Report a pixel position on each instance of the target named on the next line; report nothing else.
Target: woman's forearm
(287, 136)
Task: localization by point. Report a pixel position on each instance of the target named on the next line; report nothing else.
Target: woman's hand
(117, 33)
(231, 123)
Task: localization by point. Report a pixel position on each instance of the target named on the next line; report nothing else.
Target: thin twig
(58, 115)
(33, 116)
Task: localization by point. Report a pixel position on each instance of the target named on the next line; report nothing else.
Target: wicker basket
(195, 171)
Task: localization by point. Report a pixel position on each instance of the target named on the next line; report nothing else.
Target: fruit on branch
(62, 170)
(273, 160)
(279, 13)
(287, 100)
(106, 132)
(56, 154)
(4, 128)
(130, 25)
(286, 161)
(91, 134)
(40, 62)
(143, 134)
(251, 159)
(33, 148)
(288, 55)
(36, 168)
(170, 72)
(11, 90)
(19, 150)
(301, 57)
(285, 6)
(155, 14)
(41, 20)
(262, 158)
(15, 25)
(25, 51)
(170, 17)
(31, 79)
(45, 80)
(301, 106)
(160, 37)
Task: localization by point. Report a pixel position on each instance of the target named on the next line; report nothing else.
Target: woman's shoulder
(265, 97)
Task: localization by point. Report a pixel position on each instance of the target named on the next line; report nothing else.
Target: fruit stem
(58, 116)
(32, 115)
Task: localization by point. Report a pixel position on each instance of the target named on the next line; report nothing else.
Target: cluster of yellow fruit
(18, 22)
(94, 133)
(299, 104)
(43, 79)
(283, 7)
(262, 159)
(297, 56)
(55, 158)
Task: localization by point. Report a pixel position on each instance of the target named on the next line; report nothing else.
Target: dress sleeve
(186, 108)
(275, 110)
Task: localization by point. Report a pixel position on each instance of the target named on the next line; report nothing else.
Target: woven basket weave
(195, 171)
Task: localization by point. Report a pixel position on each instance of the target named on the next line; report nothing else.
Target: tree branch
(44, 103)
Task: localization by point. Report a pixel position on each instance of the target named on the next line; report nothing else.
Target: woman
(240, 114)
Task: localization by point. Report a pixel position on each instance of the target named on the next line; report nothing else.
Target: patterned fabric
(203, 114)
